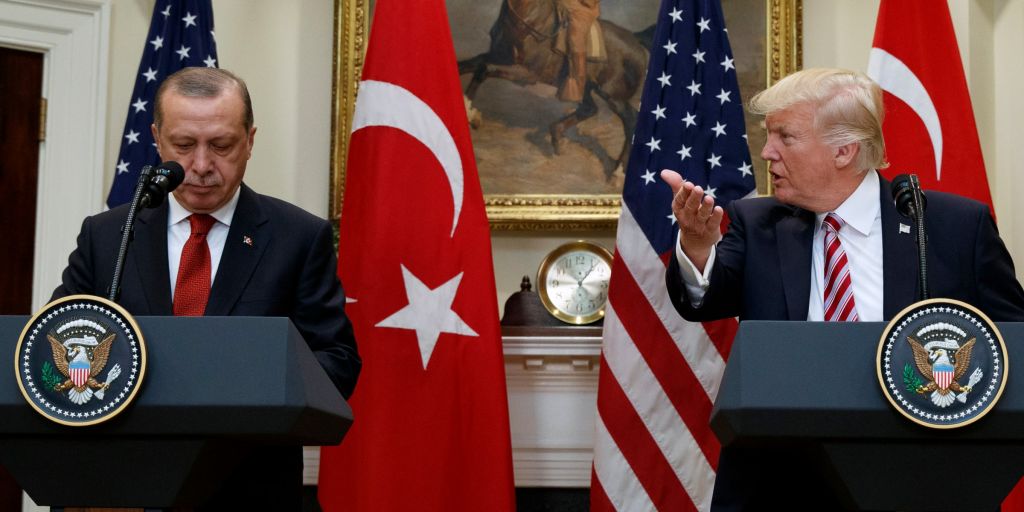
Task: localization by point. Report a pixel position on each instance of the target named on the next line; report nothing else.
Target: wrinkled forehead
(224, 112)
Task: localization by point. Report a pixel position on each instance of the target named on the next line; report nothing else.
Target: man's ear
(846, 155)
(153, 130)
(251, 141)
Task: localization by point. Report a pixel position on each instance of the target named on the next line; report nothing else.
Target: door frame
(74, 36)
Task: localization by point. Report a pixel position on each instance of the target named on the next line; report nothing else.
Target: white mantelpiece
(552, 395)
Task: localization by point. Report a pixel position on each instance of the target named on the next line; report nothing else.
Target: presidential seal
(942, 363)
(80, 360)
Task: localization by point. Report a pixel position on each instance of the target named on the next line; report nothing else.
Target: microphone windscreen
(173, 171)
(902, 194)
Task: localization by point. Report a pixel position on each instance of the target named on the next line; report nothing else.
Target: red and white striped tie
(839, 304)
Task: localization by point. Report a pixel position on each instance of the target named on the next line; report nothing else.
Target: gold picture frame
(783, 54)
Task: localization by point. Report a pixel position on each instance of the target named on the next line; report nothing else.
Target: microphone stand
(126, 232)
(915, 188)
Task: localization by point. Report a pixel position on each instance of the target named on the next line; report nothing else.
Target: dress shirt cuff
(695, 281)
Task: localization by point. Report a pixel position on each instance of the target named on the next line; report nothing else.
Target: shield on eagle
(78, 370)
(943, 375)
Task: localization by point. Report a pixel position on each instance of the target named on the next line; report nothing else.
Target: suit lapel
(148, 254)
(899, 257)
(240, 258)
(794, 235)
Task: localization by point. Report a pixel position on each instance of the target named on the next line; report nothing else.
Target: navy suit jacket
(289, 270)
(762, 264)
(762, 272)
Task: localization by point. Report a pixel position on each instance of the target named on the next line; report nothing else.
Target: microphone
(911, 202)
(905, 189)
(153, 185)
(163, 179)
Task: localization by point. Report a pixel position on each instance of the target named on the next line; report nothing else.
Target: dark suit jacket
(762, 264)
(762, 272)
(289, 270)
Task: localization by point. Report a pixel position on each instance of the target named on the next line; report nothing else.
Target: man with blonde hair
(831, 212)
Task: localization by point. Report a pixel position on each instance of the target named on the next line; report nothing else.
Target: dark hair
(201, 82)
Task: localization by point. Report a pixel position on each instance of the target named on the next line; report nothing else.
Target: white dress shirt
(179, 229)
(861, 238)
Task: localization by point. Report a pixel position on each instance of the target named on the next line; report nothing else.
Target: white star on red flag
(429, 313)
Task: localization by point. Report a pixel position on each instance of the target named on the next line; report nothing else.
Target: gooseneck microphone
(911, 202)
(151, 190)
(164, 178)
(903, 194)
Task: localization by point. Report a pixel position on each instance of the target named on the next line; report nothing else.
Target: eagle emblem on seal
(80, 351)
(943, 361)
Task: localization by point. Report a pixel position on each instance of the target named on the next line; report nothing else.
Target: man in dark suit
(217, 248)
(828, 246)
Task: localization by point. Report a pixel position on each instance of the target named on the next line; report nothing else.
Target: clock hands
(589, 271)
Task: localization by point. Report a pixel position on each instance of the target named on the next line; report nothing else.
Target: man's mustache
(209, 180)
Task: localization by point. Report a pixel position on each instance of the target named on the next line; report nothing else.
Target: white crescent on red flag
(929, 122)
(431, 427)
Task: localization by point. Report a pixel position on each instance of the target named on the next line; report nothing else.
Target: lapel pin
(904, 228)
(247, 240)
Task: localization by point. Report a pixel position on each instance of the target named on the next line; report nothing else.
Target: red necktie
(192, 289)
(839, 304)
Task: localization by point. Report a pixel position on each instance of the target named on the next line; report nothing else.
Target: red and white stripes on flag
(659, 378)
(654, 448)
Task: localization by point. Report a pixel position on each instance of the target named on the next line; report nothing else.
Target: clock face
(574, 282)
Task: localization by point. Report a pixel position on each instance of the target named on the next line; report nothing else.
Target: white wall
(283, 50)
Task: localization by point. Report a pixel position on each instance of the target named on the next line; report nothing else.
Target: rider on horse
(579, 17)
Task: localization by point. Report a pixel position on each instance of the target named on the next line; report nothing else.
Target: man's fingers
(707, 208)
(716, 216)
(692, 202)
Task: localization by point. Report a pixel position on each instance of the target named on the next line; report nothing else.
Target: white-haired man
(829, 245)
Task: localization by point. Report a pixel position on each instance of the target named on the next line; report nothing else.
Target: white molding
(74, 37)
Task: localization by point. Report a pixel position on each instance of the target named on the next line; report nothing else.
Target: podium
(215, 389)
(812, 387)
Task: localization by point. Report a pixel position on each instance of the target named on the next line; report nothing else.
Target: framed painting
(537, 173)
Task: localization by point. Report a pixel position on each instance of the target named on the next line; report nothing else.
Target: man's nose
(201, 161)
(768, 152)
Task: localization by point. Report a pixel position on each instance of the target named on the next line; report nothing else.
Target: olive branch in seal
(910, 379)
(50, 377)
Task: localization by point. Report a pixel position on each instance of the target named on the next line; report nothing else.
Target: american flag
(180, 36)
(660, 374)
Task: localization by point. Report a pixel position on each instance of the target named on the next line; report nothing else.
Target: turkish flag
(431, 427)
(929, 123)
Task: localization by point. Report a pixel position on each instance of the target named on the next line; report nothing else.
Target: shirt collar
(224, 214)
(860, 209)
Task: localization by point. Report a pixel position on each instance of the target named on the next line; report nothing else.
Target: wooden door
(21, 85)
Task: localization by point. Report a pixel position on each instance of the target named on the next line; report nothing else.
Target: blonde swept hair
(847, 104)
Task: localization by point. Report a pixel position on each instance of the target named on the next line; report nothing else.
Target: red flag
(929, 123)
(431, 429)
(928, 113)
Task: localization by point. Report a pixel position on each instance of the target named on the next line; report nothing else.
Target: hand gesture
(699, 219)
